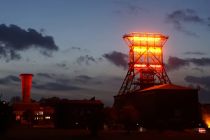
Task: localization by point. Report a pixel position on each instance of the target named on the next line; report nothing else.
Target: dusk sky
(75, 48)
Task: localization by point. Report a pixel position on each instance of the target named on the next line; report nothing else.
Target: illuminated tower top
(146, 66)
(145, 39)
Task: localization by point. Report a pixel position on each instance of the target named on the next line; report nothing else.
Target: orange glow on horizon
(206, 118)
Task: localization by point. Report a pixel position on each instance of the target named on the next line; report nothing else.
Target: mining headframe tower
(146, 66)
(148, 89)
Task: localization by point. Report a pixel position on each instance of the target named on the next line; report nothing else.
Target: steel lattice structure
(146, 66)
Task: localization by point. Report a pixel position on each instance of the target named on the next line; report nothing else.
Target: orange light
(155, 50)
(155, 66)
(140, 65)
(142, 38)
(139, 49)
(206, 118)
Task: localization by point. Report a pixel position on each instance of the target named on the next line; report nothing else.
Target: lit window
(47, 117)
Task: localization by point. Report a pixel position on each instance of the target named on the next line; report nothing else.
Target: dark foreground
(65, 134)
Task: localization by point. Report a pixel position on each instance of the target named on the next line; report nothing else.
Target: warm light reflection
(139, 65)
(155, 66)
(144, 65)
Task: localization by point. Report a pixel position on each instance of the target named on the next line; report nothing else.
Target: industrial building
(31, 113)
(78, 113)
(148, 89)
(62, 113)
(164, 106)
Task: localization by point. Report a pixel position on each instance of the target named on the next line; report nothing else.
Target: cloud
(10, 79)
(62, 65)
(117, 58)
(175, 63)
(14, 39)
(198, 69)
(181, 17)
(56, 86)
(194, 53)
(45, 75)
(200, 61)
(128, 7)
(83, 78)
(86, 59)
(204, 81)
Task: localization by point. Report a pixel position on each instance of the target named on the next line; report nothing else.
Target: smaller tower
(26, 80)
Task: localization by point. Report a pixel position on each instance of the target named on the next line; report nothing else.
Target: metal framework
(146, 66)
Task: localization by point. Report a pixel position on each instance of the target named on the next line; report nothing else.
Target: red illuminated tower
(26, 87)
(146, 66)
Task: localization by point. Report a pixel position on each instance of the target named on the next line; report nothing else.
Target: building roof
(25, 106)
(167, 87)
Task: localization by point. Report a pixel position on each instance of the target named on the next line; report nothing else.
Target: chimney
(26, 80)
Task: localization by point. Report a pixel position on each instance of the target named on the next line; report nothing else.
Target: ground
(67, 134)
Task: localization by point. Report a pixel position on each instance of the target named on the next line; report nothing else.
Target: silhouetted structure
(79, 114)
(5, 116)
(165, 106)
(148, 89)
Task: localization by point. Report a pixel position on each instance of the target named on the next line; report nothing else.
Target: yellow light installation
(156, 66)
(140, 65)
(142, 38)
(142, 49)
(139, 49)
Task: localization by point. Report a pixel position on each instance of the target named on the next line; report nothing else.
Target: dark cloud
(45, 75)
(62, 65)
(204, 81)
(175, 63)
(117, 58)
(86, 59)
(180, 17)
(76, 48)
(200, 61)
(198, 69)
(14, 39)
(56, 86)
(194, 53)
(10, 79)
(83, 78)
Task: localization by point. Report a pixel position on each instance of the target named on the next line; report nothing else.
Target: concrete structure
(26, 80)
